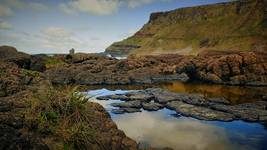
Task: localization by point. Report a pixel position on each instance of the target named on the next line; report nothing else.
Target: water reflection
(235, 94)
(161, 129)
(184, 134)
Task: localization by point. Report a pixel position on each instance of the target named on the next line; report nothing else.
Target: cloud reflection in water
(162, 131)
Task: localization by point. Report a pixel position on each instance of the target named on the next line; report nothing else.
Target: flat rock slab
(163, 96)
(199, 112)
(193, 105)
(219, 100)
(112, 97)
(130, 104)
(152, 106)
(125, 110)
(131, 96)
(142, 96)
(252, 112)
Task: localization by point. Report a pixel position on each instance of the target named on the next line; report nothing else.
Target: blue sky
(55, 26)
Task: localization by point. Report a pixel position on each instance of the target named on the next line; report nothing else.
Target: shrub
(31, 73)
(61, 112)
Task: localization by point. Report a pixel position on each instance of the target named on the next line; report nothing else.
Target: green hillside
(233, 26)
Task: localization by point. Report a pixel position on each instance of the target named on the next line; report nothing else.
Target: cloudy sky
(55, 26)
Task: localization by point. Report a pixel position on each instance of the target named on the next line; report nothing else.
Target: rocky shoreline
(21, 73)
(192, 105)
(216, 67)
(22, 129)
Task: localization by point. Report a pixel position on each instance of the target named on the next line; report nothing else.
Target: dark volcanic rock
(11, 54)
(17, 87)
(163, 96)
(248, 111)
(23, 60)
(240, 68)
(219, 100)
(38, 62)
(118, 111)
(141, 96)
(130, 104)
(195, 105)
(152, 106)
(112, 97)
(234, 68)
(125, 110)
(198, 112)
(14, 79)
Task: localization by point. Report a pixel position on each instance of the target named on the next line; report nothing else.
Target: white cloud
(7, 7)
(5, 25)
(57, 32)
(58, 38)
(136, 3)
(66, 8)
(20, 4)
(98, 7)
(5, 11)
(37, 6)
(101, 7)
(15, 4)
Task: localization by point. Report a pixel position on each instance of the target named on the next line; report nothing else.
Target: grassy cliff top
(233, 26)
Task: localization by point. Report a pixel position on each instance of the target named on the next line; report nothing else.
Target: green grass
(226, 28)
(62, 113)
(53, 61)
(31, 73)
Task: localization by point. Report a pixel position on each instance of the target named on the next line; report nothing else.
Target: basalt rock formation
(233, 26)
(192, 105)
(17, 87)
(23, 60)
(233, 68)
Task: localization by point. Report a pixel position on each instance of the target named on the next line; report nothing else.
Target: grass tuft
(62, 113)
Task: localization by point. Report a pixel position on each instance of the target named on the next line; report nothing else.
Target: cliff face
(233, 26)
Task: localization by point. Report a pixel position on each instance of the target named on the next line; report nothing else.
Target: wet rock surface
(192, 105)
(199, 112)
(125, 110)
(130, 104)
(152, 106)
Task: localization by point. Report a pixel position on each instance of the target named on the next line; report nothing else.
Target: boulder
(8, 53)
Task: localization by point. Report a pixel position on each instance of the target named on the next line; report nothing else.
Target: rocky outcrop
(17, 87)
(105, 70)
(235, 26)
(13, 79)
(23, 60)
(191, 105)
(241, 68)
(219, 67)
(11, 54)
(120, 50)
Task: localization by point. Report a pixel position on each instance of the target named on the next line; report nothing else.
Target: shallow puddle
(235, 94)
(165, 128)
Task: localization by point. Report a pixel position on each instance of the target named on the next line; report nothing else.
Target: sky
(56, 26)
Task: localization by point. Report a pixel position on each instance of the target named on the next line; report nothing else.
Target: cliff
(233, 26)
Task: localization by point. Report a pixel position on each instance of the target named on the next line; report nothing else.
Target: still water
(165, 128)
(235, 94)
